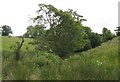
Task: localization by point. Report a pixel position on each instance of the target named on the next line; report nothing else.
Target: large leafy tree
(66, 33)
(6, 30)
(67, 37)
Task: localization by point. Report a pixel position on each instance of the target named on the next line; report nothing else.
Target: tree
(28, 33)
(18, 48)
(118, 31)
(6, 30)
(107, 35)
(65, 35)
(95, 39)
(88, 32)
(34, 31)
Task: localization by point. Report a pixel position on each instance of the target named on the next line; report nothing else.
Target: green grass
(100, 63)
(7, 43)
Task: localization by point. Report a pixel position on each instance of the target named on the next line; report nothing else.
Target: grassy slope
(94, 64)
(100, 63)
(9, 42)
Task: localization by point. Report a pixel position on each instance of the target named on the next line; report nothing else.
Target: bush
(95, 39)
(107, 35)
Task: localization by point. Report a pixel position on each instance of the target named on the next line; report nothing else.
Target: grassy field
(7, 43)
(100, 63)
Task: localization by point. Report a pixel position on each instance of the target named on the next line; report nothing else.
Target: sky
(99, 13)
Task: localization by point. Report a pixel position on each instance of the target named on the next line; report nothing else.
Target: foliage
(107, 35)
(66, 34)
(95, 40)
(67, 37)
(88, 32)
(6, 30)
(34, 31)
(76, 16)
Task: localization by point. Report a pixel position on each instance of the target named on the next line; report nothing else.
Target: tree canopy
(34, 31)
(6, 30)
(107, 35)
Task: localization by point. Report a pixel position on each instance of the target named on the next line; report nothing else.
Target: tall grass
(100, 63)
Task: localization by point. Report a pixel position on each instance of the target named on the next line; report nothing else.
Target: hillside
(100, 63)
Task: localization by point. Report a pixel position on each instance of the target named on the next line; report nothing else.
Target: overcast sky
(99, 13)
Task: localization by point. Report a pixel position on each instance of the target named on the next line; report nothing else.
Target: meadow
(100, 63)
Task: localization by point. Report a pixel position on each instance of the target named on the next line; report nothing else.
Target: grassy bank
(100, 63)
